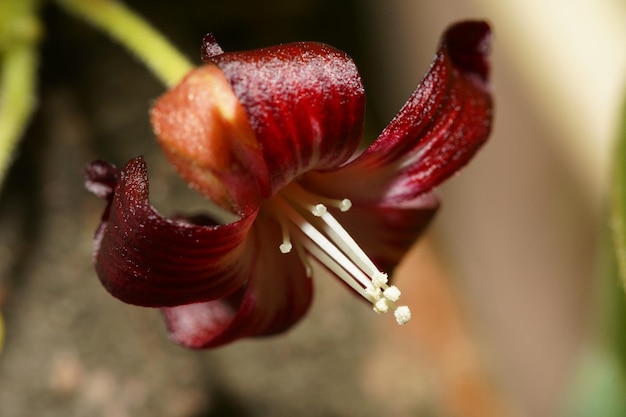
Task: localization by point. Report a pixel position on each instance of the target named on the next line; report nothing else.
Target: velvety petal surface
(277, 295)
(205, 133)
(305, 102)
(442, 125)
(143, 258)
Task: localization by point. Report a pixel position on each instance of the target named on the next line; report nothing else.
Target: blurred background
(503, 288)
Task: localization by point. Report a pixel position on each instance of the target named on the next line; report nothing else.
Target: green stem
(129, 29)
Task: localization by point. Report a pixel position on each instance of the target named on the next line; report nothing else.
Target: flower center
(308, 227)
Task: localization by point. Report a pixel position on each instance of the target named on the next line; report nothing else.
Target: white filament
(303, 217)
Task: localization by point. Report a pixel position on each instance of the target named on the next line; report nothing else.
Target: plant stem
(130, 30)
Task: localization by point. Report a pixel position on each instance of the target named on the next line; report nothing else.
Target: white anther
(344, 205)
(374, 293)
(381, 306)
(285, 247)
(403, 314)
(318, 210)
(379, 279)
(392, 293)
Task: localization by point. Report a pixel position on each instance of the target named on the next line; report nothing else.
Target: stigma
(311, 230)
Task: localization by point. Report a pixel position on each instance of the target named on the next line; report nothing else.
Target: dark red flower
(271, 136)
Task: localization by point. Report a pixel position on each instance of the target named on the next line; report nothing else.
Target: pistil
(307, 224)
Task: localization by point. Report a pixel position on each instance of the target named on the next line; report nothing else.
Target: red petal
(205, 133)
(305, 102)
(277, 295)
(210, 47)
(145, 259)
(438, 130)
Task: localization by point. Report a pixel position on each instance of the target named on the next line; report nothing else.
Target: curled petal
(277, 295)
(101, 179)
(305, 102)
(205, 133)
(439, 129)
(143, 258)
(210, 47)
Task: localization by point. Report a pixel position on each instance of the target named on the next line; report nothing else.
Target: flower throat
(307, 226)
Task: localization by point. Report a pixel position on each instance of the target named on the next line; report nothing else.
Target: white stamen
(380, 279)
(335, 253)
(318, 210)
(381, 306)
(285, 247)
(348, 245)
(322, 242)
(403, 314)
(344, 205)
(320, 237)
(373, 293)
(331, 264)
(392, 293)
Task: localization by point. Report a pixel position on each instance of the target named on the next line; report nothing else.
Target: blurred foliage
(618, 201)
(19, 36)
(599, 388)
